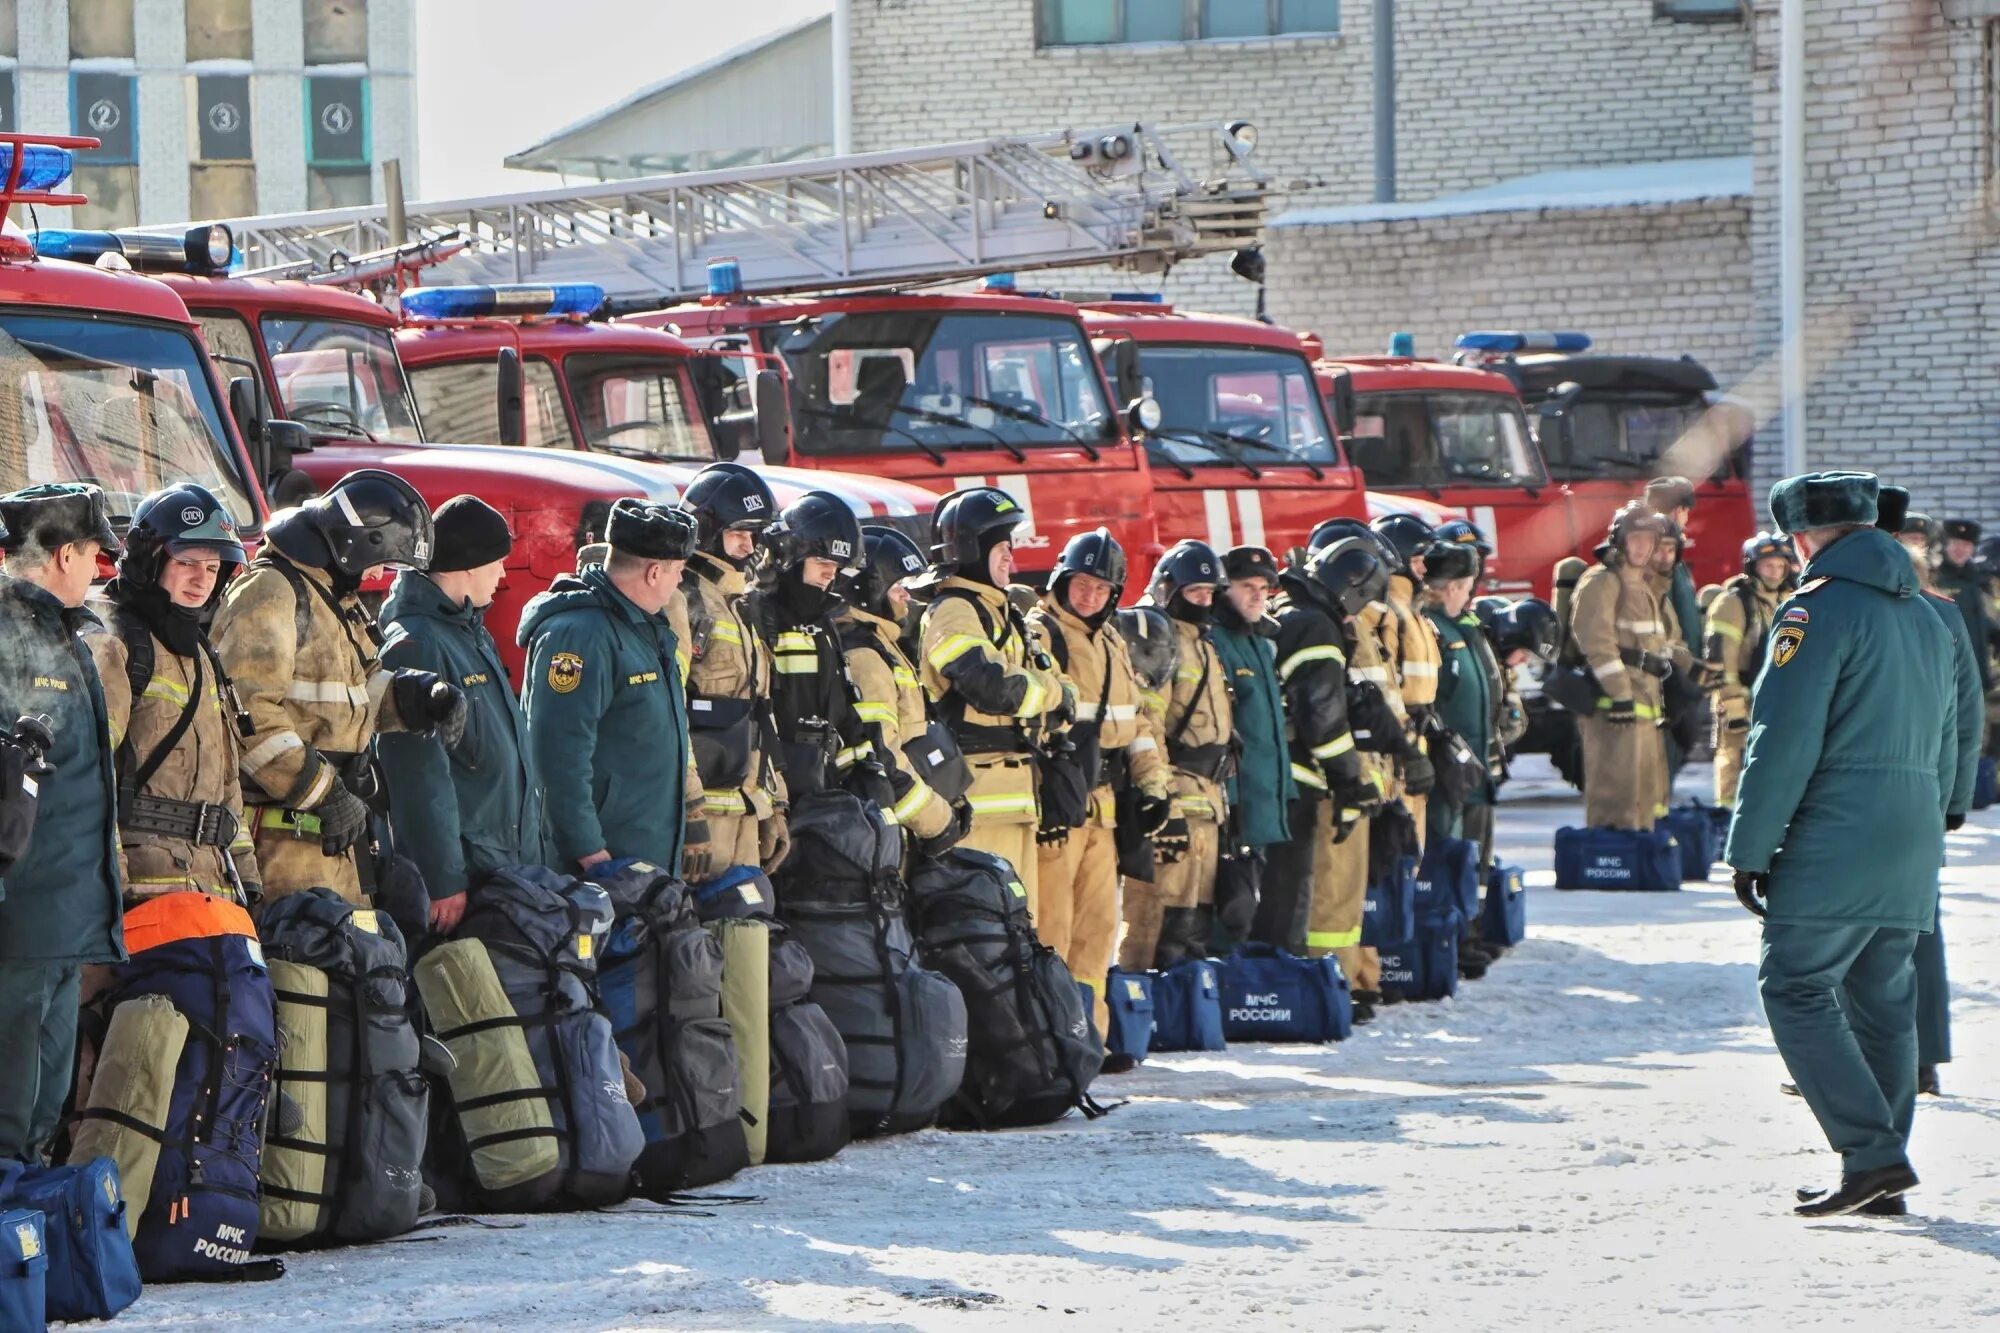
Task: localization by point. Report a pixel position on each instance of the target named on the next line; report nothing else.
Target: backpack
(353, 1169)
(840, 894)
(1032, 1049)
(201, 954)
(662, 986)
(544, 933)
(90, 1270)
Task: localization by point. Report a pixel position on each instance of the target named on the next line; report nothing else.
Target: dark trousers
(1933, 999)
(37, 1051)
(1285, 901)
(1842, 1004)
(1478, 821)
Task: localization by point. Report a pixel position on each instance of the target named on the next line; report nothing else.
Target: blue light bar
(42, 167)
(1510, 340)
(562, 298)
(1403, 345)
(725, 277)
(999, 282)
(1140, 298)
(204, 249)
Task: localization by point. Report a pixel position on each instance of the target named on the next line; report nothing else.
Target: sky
(496, 76)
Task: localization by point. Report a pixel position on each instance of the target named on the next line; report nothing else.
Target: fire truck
(103, 376)
(1241, 450)
(1609, 424)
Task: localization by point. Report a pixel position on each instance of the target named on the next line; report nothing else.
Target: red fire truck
(1243, 451)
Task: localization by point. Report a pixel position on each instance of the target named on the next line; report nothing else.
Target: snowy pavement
(1590, 1138)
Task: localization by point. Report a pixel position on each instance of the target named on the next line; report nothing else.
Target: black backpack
(1033, 1049)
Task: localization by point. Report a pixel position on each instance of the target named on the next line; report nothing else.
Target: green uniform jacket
(1961, 585)
(1853, 746)
(607, 721)
(1687, 606)
(61, 903)
(1465, 693)
(1971, 702)
(1262, 792)
(462, 813)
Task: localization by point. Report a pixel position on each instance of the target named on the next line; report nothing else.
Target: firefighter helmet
(1633, 517)
(1344, 578)
(1097, 554)
(1459, 532)
(1187, 564)
(1763, 546)
(726, 497)
(817, 524)
(1531, 624)
(967, 523)
(887, 558)
(1154, 647)
(1407, 535)
(367, 518)
(170, 522)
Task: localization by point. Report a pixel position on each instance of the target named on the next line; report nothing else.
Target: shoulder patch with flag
(1785, 644)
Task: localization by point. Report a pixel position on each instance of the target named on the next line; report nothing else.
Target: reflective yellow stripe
(304, 825)
(1196, 804)
(797, 663)
(1142, 745)
(869, 711)
(1031, 702)
(1323, 652)
(326, 692)
(1308, 777)
(1333, 939)
(1190, 673)
(1086, 712)
(1120, 712)
(853, 754)
(725, 631)
(953, 647)
(903, 676)
(159, 687)
(1638, 709)
(723, 803)
(1724, 628)
(1336, 747)
(910, 804)
(1419, 669)
(683, 659)
(1002, 805)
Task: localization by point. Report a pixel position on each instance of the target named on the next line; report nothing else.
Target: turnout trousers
(1186, 883)
(1078, 917)
(1842, 1004)
(1624, 767)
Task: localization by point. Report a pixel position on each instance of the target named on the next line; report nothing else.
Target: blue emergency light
(725, 277)
(1403, 345)
(999, 282)
(561, 298)
(1514, 340)
(205, 249)
(42, 167)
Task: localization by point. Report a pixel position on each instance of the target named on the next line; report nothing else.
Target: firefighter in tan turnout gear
(1739, 621)
(303, 652)
(1170, 922)
(994, 684)
(1111, 749)
(1413, 652)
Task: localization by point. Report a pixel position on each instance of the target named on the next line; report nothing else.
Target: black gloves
(1419, 774)
(1657, 665)
(697, 854)
(1153, 812)
(1953, 823)
(1753, 887)
(343, 820)
(425, 699)
(1622, 712)
(1171, 842)
(1052, 837)
(950, 836)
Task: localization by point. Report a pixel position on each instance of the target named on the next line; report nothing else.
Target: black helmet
(887, 558)
(1492, 612)
(1450, 560)
(966, 524)
(1342, 579)
(367, 518)
(1408, 536)
(818, 523)
(1633, 517)
(727, 497)
(1187, 564)
(1762, 547)
(1332, 530)
(1097, 554)
(180, 518)
(1459, 532)
(1154, 647)
(1531, 624)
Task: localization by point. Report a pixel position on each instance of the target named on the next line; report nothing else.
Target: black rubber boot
(1927, 1081)
(1181, 937)
(1889, 1205)
(1858, 1189)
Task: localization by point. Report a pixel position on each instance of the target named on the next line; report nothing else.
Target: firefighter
(889, 700)
(460, 814)
(1173, 921)
(607, 715)
(1616, 624)
(993, 683)
(1739, 622)
(729, 676)
(1110, 749)
(1154, 651)
(173, 712)
(60, 908)
(305, 656)
(1411, 646)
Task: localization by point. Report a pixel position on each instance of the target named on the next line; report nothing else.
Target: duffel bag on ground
(1425, 966)
(1187, 1007)
(1128, 996)
(1033, 1050)
(1269, 994)
(24, 1269)
(1646, 860)
(201, 1218)
(1694, 834)
(1503, 918)
(353, 1170)
(1389, 914)
(1986, 783)
(661, 980)
(1448, 876)
(92, 1272)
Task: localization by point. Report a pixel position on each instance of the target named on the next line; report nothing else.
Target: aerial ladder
(1137, 198)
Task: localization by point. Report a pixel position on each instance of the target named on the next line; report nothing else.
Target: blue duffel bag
(1390, 914)
(1187, 1007)
(1425, 966)
(1503, 919)
(1448, 877)
(1128, 996)
(92, 1273)
(1692, 828)
(24, 1266)
(1986, 783)
(1271, 995)
(1647, 860)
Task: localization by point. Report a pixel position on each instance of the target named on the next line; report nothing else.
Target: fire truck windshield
(637, 406)
(1437, 439)
(340, 378)
(1623, 436)
(934, 380)
(126, 405)
(1231, 406)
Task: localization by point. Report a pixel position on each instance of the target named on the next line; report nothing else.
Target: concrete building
(216, 108)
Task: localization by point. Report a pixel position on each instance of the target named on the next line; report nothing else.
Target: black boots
(1889, 1205)
(1858, 1189)
(1184, 934)
(1927, 1080)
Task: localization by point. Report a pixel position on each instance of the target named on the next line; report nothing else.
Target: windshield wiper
(1215, 439)
(830, 415)
(1035, 418)
(947, 419)
(1232, 437)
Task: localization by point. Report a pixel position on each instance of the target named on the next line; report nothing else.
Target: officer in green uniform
(1958, 580)
(1262, 788)
(607, 716)
(1853, 728)
(59, 904)
(459, 812)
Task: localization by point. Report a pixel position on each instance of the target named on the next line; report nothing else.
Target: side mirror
(1119, 356)
(1561, 400)
(1340, 398)
(773, 416)
(510, 397)
(246, 406)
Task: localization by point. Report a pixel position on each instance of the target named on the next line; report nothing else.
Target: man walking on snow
(1853, 728)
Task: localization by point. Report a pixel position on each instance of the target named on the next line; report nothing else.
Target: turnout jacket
(1262, 789)
(459, 814)
(201, 769)
(1739, 622)
(1853, 747)
(1098, 666)
(995, 688)
(607, 721)
(728, 670)
(820, 738)
(1312, 663)
(889, 704)
(61, 902)
(1616, 616)
(1198, 723)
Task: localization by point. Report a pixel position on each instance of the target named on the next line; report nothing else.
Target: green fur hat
(1824, 500)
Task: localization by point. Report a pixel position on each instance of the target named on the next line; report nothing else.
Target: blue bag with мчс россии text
(1187, 1007)
(1271, 995)
(1647, 860)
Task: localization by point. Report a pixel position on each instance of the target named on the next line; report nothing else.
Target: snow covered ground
(1590, 1138)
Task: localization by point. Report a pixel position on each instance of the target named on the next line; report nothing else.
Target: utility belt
(1117, 773)
(1215, 762)
(202, 823)
(359, 773)
(976, 739)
